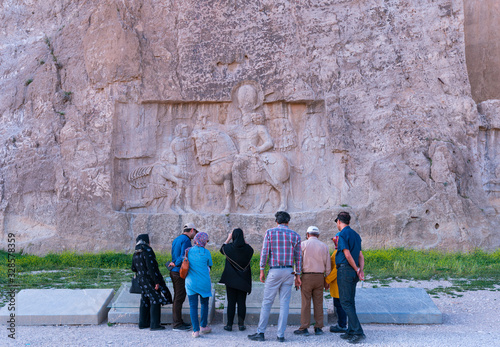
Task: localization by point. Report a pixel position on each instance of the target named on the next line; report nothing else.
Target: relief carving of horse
(216, 149)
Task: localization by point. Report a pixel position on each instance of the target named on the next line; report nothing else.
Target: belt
(281, 267)
(313, 273)
(340, 265)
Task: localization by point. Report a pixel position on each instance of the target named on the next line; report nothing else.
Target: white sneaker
(206, 330)
(196, 334)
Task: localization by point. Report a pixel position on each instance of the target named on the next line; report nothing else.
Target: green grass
(475, 270)
(419, 265)
(466, 271)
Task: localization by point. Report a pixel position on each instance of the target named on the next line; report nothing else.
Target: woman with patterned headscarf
(154, 290)
(198, 283)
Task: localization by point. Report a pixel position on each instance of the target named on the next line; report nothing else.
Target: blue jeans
(347, 280)
(341, 315)
(193, 311)
(278, 280)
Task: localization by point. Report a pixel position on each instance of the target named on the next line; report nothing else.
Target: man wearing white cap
(316, 265)
(179, 246)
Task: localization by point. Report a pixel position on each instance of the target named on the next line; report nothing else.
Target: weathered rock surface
(112, 113)
(482, 48)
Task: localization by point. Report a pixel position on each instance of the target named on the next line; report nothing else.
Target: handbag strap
(235, 264)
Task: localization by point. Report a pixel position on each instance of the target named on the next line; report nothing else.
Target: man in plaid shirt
(281, 248)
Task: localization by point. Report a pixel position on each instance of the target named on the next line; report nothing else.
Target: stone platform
(59, 306)
(373, 305)
(125, 307)
(89, 306)
(254, 303)
(397, 306)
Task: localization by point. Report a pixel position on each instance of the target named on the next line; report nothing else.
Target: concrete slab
(125, 307)
(373, 305)
(396, 305)
(60, 306)
(254, 303)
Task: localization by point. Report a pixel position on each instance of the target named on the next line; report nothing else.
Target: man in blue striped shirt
(281, 248)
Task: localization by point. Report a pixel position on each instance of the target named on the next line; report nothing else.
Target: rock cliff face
(124, 117)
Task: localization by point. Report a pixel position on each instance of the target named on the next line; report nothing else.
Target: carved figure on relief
(254, 162)
(286, 139)
(203, 123)
(489, 149)
(157, 181)
(314, 143)
(216, 149)
(182, 147)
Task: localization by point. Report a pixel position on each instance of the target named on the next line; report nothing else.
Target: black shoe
(357, 339)
(144, 327)
(318, 331)
(346, 336)
(337, 329)
(304, 332)
(257, 337)
(242, 327)
(161, 327)
(280, 339)
(183, 327)
(228, 327)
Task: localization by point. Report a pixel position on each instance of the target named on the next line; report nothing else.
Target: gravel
(469, 320)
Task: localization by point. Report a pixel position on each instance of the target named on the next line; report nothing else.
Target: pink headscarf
(201, 239)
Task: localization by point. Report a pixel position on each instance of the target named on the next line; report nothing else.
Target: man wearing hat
(316, 265)
(179, 246)
(350, 263)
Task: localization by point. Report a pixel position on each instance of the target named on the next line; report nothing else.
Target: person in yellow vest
(331, 280)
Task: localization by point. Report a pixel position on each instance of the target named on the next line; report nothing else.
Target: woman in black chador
(154, 290)
(237, 276)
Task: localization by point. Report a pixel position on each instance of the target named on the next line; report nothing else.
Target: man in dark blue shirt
(179, 246)
(350, 263)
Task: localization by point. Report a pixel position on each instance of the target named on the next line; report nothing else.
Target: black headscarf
(141, 241)
(238, 239)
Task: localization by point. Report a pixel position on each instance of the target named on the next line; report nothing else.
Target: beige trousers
(312, 288)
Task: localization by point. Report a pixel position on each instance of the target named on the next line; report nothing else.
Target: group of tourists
(304, 264)
(237, 276)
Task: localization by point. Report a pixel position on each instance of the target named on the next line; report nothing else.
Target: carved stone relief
(245, 156)
(489, 149)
